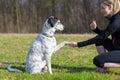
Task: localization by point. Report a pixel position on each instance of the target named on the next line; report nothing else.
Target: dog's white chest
(48, 43)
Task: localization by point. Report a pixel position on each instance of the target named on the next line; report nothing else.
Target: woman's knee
(98, 61)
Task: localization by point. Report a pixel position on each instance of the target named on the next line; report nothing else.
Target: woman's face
(106, 10)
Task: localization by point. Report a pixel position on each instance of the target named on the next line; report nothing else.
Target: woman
(110, 10)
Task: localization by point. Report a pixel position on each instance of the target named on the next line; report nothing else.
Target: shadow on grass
(5, 64)
(73, 69)
(80, 69)
(20, 66)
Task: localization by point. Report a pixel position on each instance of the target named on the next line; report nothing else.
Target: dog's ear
(52, 20)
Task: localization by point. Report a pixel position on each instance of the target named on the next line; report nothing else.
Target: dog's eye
(56, 18)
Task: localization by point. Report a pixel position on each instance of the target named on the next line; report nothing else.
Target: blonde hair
(115, 3)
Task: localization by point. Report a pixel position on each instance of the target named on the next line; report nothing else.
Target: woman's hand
(72, 44)
(93, 25)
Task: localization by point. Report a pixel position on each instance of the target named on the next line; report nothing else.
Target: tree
(28, 16)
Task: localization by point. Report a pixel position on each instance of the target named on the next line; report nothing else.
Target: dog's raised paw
(66, 42)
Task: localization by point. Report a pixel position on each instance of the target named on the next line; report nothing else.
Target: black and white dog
(44, 46)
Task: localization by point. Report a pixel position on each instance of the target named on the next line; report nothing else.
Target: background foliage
(28, 16)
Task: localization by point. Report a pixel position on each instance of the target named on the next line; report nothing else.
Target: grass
(67, 64)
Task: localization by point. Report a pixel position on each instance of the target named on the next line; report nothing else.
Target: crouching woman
(110, 59)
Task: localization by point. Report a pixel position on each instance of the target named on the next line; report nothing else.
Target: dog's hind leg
(59, 46)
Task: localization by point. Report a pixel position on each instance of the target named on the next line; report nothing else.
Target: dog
(43, 47)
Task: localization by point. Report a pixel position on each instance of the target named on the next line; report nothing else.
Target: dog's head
(51, 25)
(55, 23)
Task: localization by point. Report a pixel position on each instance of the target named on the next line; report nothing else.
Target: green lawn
(67, 64)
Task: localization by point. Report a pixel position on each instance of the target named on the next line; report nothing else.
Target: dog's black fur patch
(52, 20)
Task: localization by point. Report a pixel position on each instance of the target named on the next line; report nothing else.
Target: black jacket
(113, 29)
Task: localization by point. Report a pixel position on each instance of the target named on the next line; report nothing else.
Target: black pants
(112, 56)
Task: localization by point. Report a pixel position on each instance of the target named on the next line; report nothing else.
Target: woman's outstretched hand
(72, 44)
(93, 25)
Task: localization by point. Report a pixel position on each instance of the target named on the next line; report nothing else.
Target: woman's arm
(93, 27)
(97, 30)
(112, 27)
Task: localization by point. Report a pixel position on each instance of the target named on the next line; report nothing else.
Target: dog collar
(47, 35)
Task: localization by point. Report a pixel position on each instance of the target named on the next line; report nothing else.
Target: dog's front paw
(66, 42)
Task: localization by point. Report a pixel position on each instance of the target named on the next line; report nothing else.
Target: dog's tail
(9, 68)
